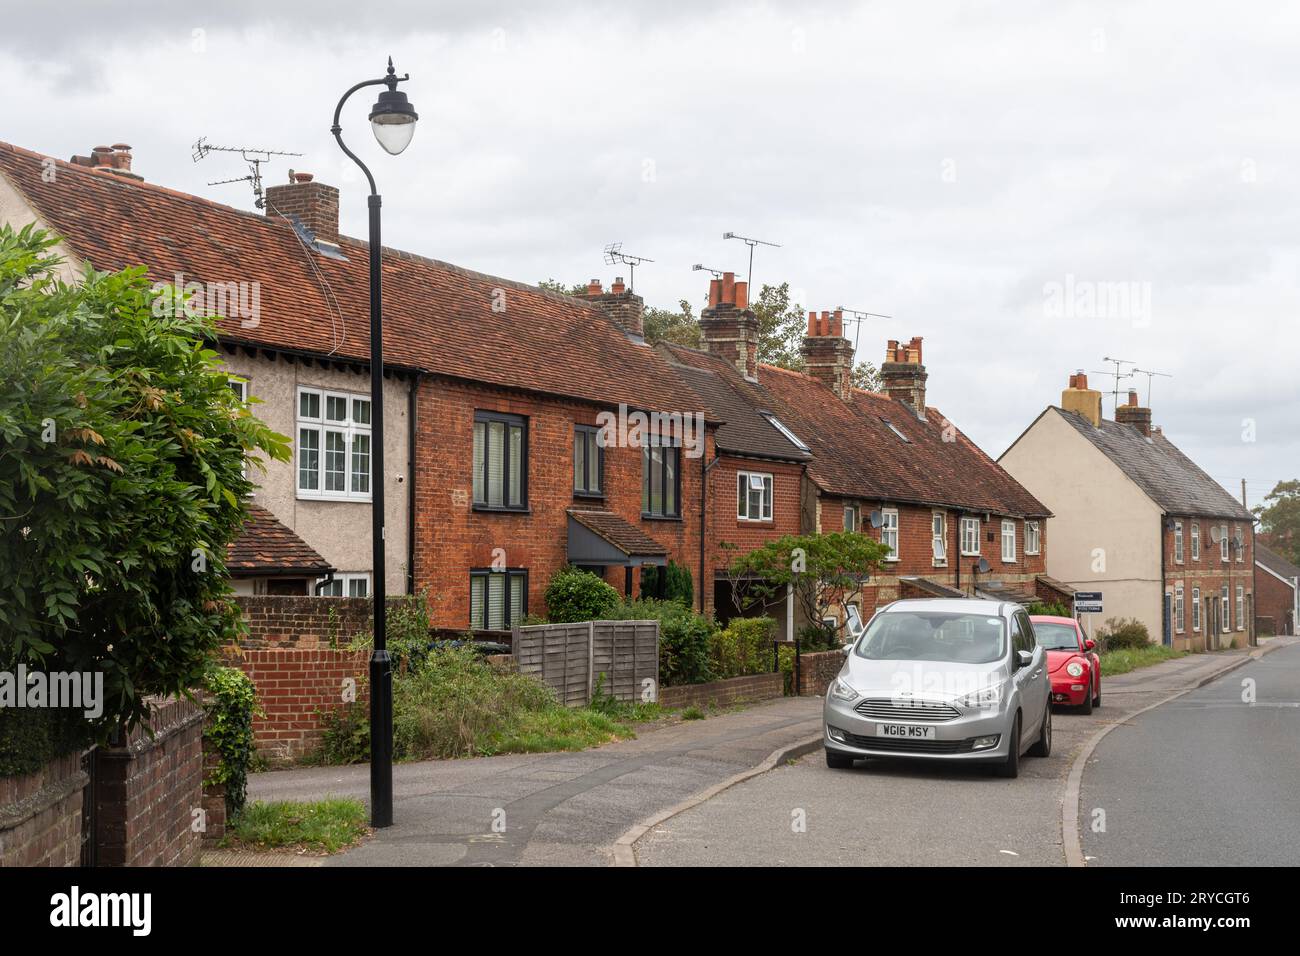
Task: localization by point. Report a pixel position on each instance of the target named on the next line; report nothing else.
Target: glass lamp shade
(393, 120)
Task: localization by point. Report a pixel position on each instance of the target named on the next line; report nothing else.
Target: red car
(1072, 664)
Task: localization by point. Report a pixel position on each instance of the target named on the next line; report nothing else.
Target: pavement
(1208, 779)
(907, 813)
(545, 809)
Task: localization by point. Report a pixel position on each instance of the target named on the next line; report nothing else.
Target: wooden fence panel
(571, 658)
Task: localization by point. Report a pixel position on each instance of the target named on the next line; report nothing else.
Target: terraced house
(1139, 521)
(493, 393)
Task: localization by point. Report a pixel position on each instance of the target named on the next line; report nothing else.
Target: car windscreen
(1056, 637)
(934, 636)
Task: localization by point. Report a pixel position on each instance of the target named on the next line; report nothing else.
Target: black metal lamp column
(393, 121)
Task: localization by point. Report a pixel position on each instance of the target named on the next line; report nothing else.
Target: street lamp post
(393, 121)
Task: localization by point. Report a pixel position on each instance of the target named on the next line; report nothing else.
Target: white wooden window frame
(889, 531)
(1241, 607)
(1178, 542)
(757, 483)
(1033, 542)
(1008, 538)
(939, 538)
(1196, 541)
(1180, 609)
(970, 531)
(1225, 609)
(348, 428)
(1223, 542)
(1196, 609)
(350, 584)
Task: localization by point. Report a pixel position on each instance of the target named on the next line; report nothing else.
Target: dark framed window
(661, 481)
(497, 599)
(500, 461)
(588, 461)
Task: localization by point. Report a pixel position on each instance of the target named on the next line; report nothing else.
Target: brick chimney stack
(827, 354)
(903, 374)
(624, 307)
(729, 326)
(115, 159)
(1081, 399)
(1134, 414)
(314, 204)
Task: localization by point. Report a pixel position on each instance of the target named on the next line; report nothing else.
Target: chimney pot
(618, 288)
(742, 295)
(594, 287)
(715, 292)
(303, 177)
(1132, 398)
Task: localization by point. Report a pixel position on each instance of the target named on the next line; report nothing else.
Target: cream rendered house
(1137, 520)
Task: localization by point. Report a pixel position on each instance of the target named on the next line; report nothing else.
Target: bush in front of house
(1122, 633)
(122, 459)
(743, 647)
(577, 595)
(1048, 609)
(684, 639)
(678, 586)
(229, 730)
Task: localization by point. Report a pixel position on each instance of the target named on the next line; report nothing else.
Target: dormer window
(790, 436)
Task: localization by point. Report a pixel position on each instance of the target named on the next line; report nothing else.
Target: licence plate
(907, 731)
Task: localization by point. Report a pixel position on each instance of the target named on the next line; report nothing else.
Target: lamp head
(393, 117)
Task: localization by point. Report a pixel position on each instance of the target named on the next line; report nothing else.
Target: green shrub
(1121, 633)
(679, 586)
(1049, 609)
(818, 637)
(684, 639)
(406, 627)
(743, 647)
(577, 595)
(229, 730)
(345, 737)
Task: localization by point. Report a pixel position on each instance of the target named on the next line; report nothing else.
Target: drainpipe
(705, 467)
(412, 403)
(1164, 522)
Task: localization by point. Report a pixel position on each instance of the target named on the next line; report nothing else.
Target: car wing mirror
(1089, 643)
(1024, 658)
(847, 649)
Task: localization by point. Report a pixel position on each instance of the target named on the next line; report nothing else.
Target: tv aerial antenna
(614, 254)
(859, 317)
(1117, 374)
(253, 157)
(751, 243)
(1150, 375)
(701, 267)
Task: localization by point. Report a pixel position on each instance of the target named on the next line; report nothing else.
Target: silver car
(943, 679)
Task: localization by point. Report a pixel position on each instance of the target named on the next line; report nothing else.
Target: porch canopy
(603, 538)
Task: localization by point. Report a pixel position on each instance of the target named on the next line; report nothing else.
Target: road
(1205, 780)
(885, 813)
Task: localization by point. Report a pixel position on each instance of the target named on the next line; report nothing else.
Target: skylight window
(793, 438)
(894, 428)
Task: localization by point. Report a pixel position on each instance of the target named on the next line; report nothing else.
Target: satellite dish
(983, 566)
(876, 519)
(1239, 537)
(1214, 533)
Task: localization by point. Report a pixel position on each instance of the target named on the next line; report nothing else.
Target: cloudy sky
(1031, 187)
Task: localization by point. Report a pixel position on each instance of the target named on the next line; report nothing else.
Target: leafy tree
(1279, 519)
(578, 595)
(554, 285)
(825, 570)
(781, 327)
(122, 449)
(678, 587)
(866, 376)
(679, 328)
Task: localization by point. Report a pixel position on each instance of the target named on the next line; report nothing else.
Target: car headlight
(985, 697)
(1074, 669)
(842, 691)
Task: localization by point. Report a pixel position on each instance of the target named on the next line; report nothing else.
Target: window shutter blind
(496, 448)
(516, 599)
(496, 601)
(479, 495)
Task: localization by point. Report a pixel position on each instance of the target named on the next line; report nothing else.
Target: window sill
(970, 554)
(755, 523)
(341, 498)
(590, 495)
(489, 509)
(646, 516)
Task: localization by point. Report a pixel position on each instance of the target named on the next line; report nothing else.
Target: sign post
(1087, 602)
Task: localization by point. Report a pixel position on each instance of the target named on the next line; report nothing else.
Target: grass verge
(322, 826)
(1130, 659)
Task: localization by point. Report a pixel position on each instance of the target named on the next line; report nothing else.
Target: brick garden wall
(40, 815)
(817, 670)
(721, 693)
(146, 791)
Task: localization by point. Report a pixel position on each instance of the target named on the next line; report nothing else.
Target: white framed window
(1196, 609)
(240, 387)
(1033, 543)
(889, 532)
(1241, 551)
(939, 537)
(1241, 607)
(346, 585)
(1225, 609)
(850, 517)
(1180, 621)
(1008, 541)
(1223, 542)
(753, 496)
(1178, 542)
(333, 448)
(970, 536)
(1196, 541)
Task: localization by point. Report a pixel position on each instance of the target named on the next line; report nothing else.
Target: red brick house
(1277, 592)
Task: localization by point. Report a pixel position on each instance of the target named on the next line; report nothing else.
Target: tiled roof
(937, 588)
(1275, 562)
(437, 317)
(857, 454)
(730, 399)
(1167, 476)
(622, 535)
(265, 546)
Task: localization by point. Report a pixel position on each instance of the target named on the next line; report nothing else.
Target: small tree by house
(123, 452)
(824, 570)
